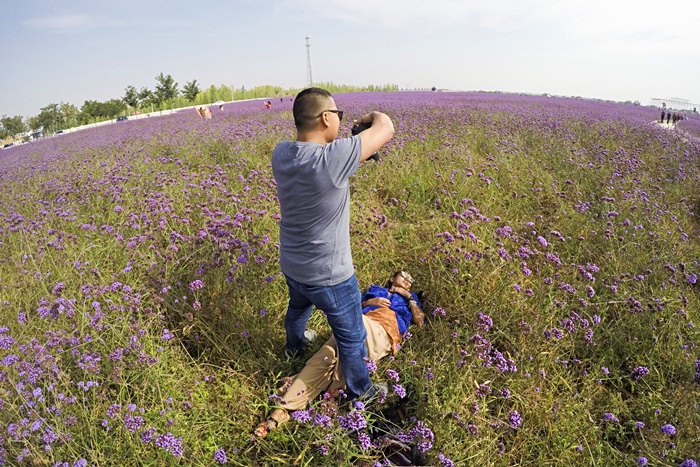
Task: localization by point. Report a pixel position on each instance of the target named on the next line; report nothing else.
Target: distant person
(313, 189)
(668, 117)
(663, 115)
(221, 106)
(268, 104)
(204, 112)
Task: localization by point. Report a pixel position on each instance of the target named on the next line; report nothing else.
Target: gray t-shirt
(314, 196)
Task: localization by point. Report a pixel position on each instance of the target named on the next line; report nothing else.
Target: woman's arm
(417, 315)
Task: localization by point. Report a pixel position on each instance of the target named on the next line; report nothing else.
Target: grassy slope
(128, 217)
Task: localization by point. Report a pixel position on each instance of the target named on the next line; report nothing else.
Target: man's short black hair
(309, 103)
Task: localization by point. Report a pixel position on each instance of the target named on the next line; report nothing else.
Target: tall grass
(556, 241)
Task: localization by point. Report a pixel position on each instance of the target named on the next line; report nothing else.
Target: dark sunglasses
(338, 112)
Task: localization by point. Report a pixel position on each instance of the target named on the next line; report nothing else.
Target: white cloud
(645, 22)
(64, 23)
(398, 14)
(82, 22)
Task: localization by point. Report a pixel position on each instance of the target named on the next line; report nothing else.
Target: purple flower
(639, 425)
(49, 436)
(515, 419)
(608, 417)
(6, 342)
(638, 372)
(371, 366)
(688, 463)
(642, 460)
(323, 420)
(148, 435)
(445, 461)
(196, 285)
(359, 405)
(424, 434)
(301, 416)
(133, 423)
(365, 441)
(220, 456)
(542, 241)
(400, 391)
(393, 375)
(354, 421)
(58, 288)
(668, 429)
(169, 443)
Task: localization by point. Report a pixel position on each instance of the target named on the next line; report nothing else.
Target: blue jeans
(342, 305)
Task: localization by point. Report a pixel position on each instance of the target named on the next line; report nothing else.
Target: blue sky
(76, 50)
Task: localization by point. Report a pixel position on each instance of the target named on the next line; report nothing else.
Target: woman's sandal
(270, 424)
(264, 428)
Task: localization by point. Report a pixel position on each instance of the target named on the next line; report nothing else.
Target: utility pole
(309, 78)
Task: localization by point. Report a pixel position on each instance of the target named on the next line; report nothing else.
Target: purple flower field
(557, 242)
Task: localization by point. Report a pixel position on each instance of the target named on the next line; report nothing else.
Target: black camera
(359, 128)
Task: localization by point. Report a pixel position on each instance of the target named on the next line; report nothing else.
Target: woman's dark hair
(309, 103)
(388, 285)
(388, 281)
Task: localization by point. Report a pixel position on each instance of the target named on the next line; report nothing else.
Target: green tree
(190, 90)
(13, 126)
(131, 97)
(166, 88)
(88, 112)
(211, 95)
(93, 111)
(50, 118)
(146, 97)
(34, 123)
(112, 108)
(70, 114)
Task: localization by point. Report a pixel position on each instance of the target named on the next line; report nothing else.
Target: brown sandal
(264, 428)
(271, 423)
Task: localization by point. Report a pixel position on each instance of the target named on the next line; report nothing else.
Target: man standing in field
(314, 194)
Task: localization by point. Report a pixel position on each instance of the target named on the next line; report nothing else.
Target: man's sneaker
(309, 336)
(374, 395)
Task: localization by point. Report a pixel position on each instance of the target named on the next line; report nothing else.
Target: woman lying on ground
(387, 313)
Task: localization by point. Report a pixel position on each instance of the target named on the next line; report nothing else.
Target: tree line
(165, 95)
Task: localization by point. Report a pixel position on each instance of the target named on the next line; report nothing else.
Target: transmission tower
(309, 77)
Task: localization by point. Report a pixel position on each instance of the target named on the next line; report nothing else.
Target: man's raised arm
(377, 135)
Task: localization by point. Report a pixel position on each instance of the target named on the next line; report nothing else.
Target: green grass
(459, 198)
